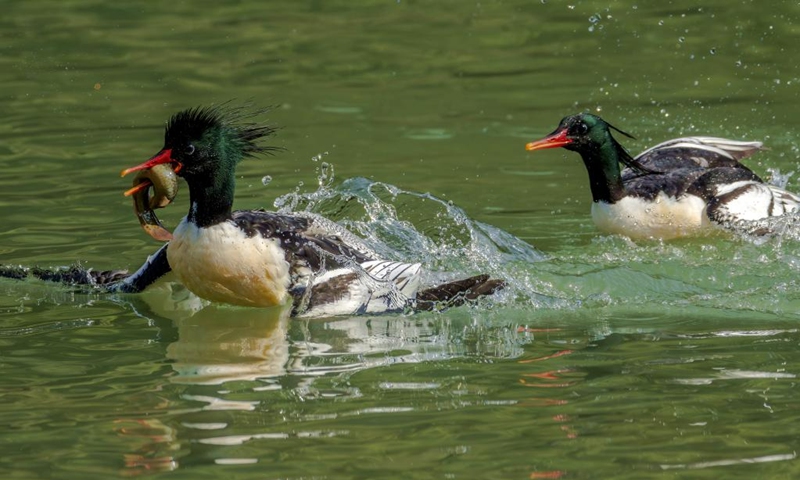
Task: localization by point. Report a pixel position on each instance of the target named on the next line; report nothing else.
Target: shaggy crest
(194, 122)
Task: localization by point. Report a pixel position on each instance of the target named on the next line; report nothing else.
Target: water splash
(769, 230)
(325, 174)
(407, 226)
(773, 229)
(780, 180)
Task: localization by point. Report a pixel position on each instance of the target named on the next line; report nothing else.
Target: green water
(606, 359)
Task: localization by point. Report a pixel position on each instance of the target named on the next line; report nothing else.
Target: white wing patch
(749, 201)
(404, 276)
(732, 149)
(376, 286)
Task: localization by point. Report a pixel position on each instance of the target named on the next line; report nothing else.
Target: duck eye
(581, 128)
(190, 149)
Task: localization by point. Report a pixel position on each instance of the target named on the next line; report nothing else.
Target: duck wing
(697, 152)
(458, 292)
(375, 286)
(155, 267)
(308, 241)
(694, 165)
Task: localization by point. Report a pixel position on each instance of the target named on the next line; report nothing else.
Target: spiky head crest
(216, 133)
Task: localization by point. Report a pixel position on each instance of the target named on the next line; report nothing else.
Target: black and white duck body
(682, 187)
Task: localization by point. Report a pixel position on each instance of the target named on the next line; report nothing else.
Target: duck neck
(602, 163)
(211, 202)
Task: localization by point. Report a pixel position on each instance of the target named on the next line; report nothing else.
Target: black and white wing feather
(710, 168)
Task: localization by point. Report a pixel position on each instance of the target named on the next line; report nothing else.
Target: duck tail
(453, 294)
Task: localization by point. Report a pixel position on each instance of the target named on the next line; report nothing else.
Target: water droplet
(325, 177)
(266, 179)
(661, 22)
(681, 39)
(738, 63)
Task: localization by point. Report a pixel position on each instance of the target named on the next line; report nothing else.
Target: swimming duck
(682, 187)
(258, 258)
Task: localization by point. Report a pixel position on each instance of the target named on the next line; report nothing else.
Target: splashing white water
(413, 227)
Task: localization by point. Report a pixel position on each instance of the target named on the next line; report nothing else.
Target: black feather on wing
(686, 157)
(299, 239)
(689, 165)
(704, 152)
(702, 182)
(453, 294)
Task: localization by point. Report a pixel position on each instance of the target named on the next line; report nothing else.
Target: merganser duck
(682, 187)
(259, 259)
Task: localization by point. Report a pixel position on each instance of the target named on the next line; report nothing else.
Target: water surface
(603, 359)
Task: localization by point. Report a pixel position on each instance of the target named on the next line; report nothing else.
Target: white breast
(220, 263)
(665, 217)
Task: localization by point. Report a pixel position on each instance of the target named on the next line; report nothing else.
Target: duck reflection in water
(215, 350)
(214, 345)
(217, 345)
